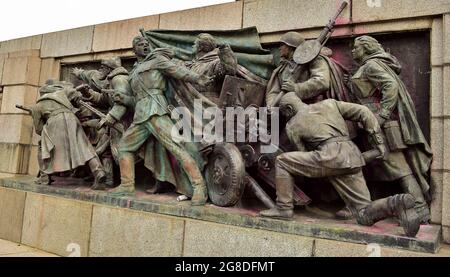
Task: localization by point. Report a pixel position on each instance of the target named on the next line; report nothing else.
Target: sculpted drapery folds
(64, 145)
(152, 124)
(377, 85)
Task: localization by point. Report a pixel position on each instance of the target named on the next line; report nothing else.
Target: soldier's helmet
(292, 39)
(112, 62)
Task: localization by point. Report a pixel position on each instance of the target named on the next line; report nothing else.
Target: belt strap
(330, 140)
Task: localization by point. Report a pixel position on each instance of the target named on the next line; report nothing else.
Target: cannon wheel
(225, 175)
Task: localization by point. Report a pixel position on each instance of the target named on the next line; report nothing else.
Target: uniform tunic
(64, 145)
(321, 129)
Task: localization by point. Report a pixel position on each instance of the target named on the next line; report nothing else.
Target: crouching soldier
(321, 128)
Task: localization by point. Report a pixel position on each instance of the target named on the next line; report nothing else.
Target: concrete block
(21, 70)
(33, 42)
(31, 254)
(19, 128)
(12, 248)
(50, 69)
(281, 15)
(437, 40)
(77, 59)
(56, 225)
(6, 175)
(119, 35)
(25, 53)
(446, 145)
(121, 53)
(22, 95)
(33, 165)
(375, 10)
(210, 240)
(446, 90)
(436, 197)
(331, 248)
(66, 43)
(122, 232)
(437, 93)
(437, 142)
(446, 199)
(446, 234)
(393, 26)
(14, 158)
(12, 203)
(2, 64)
(307, 34)
(446, 38)
(218, 17)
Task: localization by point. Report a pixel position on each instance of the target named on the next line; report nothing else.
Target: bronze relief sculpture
(130, 114)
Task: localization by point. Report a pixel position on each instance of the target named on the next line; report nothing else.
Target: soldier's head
(53, 85)
(365, 46)
(141, 47)
(204, 43)
(108, 65)
(288, 43)
(290, 104)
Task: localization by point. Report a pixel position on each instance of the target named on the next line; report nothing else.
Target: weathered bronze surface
(115, 119)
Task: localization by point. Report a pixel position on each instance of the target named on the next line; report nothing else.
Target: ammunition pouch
(393, 134)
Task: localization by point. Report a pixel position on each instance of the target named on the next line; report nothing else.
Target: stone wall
(27, 62)
(70, 227)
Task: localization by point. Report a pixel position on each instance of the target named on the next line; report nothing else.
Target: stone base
(158, 225)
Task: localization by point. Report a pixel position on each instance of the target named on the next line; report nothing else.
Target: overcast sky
(21, 18)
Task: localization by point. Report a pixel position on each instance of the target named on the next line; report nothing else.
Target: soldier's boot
(99, 174)
(285, 195)
(108, 165)
(399, 205)
(344, 213)
(200, 195)
(126, 186)
(43, 179)
(277, 213)
(409, 185)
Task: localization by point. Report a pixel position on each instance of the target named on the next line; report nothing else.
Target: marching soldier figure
(377, 86)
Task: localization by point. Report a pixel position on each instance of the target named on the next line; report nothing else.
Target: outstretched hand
(84, 89)
(205, 80)
(288, 86)
(77, 71)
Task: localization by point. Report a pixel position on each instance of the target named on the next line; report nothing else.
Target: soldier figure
(214, 61)
(151, 118)
(64, 145)
(308, 81)
(116, 78)
(321, 129)
(377, 86)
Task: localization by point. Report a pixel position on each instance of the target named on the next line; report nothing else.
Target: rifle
(23, 108)
(118, 126)
(310, 49)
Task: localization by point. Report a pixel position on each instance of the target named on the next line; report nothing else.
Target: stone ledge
(385, 233)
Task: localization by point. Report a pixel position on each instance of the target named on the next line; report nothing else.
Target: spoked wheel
(225, 175)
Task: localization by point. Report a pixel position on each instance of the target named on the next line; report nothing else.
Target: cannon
(227, 172)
